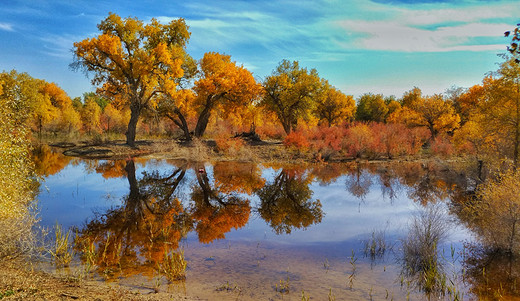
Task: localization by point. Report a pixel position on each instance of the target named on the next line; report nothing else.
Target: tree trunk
(135, 111)
(203, 120)
(132, 180)
(183, 124)
(286, 126)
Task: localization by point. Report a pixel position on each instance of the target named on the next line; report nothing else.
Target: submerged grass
(421, 264)
(61, 250)
(173, 266)
(376, 246)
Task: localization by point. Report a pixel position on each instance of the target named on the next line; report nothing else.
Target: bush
(442, 146)
(298, 140)
(497, 215)
(358, 140)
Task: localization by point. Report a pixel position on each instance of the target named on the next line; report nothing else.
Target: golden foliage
(497, 214)
(134, 61)
(432, 112)
(334, 107)
(290, 92)
(16, 170)
(241, 177)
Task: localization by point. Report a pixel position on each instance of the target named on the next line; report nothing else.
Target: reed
(61, 250)
(173, 266)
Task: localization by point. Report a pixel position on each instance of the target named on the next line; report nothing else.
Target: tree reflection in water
(285, 203)
(162, 207)
(359, 182)
(135, 237)
(492, 275)
(214, 212)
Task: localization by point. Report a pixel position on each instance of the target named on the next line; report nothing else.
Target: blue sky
(360, 46)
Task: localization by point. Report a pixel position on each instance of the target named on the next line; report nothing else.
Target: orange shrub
(442, 146)
(395, 139)
(297, 139)
(417, 137)
(358, 140)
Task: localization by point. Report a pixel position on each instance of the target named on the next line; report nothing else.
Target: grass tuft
(174, 266)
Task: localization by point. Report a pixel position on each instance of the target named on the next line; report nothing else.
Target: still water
(256, 232)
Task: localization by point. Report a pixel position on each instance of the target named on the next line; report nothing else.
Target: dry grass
(18, 281)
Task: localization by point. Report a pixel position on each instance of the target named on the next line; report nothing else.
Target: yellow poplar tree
(129, 59)
(333, 106)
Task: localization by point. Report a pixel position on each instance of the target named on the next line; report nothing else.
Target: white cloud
(462, 14)
(432, 30)
(396, 36)
(6, 27)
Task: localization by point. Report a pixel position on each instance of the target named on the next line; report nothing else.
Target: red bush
(297, 139)
(442, 146)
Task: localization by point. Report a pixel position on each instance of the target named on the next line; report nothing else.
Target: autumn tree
(221, 84)
(90, 115)
(468, 102)
(23, 88)
(286, 202)
(411, 98)
(500, 110)
(129, 59)
(224, 84)
(68, 118)
(333, 106)
(392, 104)
(113, 120)
(371, 107)
(290, 92)
(496, 215)
(432, 112)
(16, 171)
(513, 47)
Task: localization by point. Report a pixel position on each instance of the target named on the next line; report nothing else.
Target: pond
(252, 231)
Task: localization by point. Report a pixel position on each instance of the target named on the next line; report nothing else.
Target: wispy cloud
(433, 30)
(59, 45)
(396, 36)
(6, 26)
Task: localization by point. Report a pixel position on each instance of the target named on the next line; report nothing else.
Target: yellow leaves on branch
(131, 58)
(432, 112)
(223, 78)
(499, 212)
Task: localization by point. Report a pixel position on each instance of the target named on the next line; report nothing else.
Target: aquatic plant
(376, 245)
(352, 275)
(305, 298)
(61, 250)
(283, 286)
(173, 266)
(420, 261)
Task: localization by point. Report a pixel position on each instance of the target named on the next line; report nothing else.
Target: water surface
(246, 229)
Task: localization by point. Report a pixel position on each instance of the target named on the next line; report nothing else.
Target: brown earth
(198, 150)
